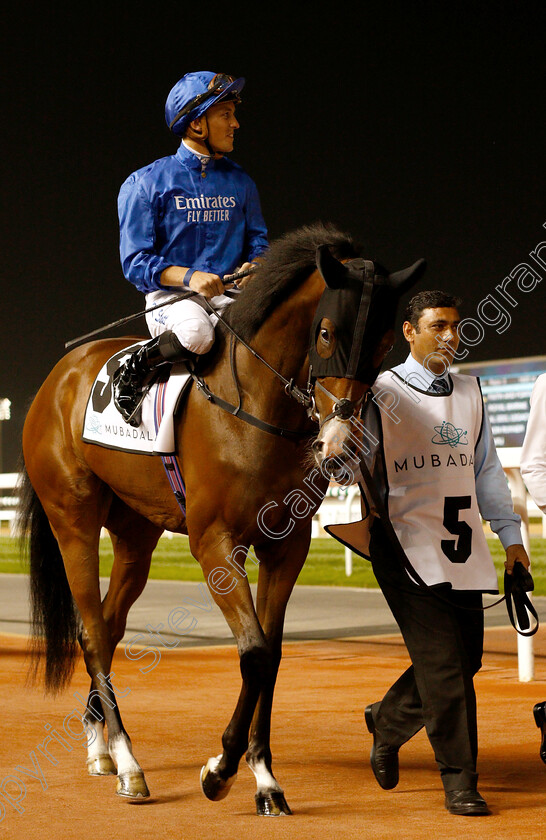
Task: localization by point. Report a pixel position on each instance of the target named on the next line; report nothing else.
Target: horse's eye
(326, 340)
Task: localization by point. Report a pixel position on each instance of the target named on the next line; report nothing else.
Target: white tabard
(429, 462)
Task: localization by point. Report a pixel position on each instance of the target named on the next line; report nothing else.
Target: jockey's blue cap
(194, 93)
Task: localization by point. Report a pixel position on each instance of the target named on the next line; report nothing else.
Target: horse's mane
(287, 262)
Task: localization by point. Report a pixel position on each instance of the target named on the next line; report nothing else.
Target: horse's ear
(407, 277)
(333, 272)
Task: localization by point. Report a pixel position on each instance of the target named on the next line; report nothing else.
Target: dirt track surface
(176, 713)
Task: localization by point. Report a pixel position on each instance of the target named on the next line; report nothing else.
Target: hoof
(272, 804)
(212, 785)
(101, 765)
(132, 786)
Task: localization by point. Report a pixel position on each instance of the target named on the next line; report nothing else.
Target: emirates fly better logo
(206, 208)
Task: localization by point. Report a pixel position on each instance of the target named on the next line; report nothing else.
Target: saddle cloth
(104, 425)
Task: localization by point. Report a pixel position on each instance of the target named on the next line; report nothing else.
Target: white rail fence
(340, 505)
(8, 500)
(343, 505)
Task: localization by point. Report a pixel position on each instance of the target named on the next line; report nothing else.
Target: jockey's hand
(244, 280)
(515, 553)
(208, 285)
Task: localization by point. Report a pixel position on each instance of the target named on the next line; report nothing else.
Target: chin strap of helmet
(204, 138)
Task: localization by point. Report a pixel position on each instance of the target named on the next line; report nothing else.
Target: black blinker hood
(346, 302)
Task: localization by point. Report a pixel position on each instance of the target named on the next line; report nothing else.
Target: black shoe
(466, 803)
(383, 758)
(539, 712)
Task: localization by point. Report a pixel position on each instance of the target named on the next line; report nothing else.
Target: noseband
(344, 409)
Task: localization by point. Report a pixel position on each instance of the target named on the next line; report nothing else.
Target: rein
(304, 398)
(344, 408)
(251, 419)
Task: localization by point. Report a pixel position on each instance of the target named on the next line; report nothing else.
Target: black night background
(418, 127)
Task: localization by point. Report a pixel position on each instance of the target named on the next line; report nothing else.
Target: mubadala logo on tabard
(94, 425)
(128, 432)
(433, 460)
(448, 434)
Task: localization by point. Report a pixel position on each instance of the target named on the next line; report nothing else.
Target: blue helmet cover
(186, 89)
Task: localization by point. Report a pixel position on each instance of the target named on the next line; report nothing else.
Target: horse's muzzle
(337, 462)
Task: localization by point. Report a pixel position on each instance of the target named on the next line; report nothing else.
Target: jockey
(186, 221)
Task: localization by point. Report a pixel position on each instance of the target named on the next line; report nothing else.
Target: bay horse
(233, 472)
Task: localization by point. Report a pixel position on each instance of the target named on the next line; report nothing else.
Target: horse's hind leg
(99, 762)
(98, 658)
(77, 529)
(280, 565)
(133, 540)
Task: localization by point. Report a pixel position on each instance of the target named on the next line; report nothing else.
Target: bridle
(343, 409)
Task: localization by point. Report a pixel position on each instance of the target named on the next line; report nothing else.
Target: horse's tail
(55, 622)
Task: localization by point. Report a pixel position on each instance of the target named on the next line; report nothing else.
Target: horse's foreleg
(219, 773)
(277, 577)
(269, 797)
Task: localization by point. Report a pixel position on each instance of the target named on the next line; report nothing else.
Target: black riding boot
(128, 380)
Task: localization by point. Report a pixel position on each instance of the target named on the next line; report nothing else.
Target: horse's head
(352, 332)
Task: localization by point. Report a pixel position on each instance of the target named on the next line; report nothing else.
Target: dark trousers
(445, 643)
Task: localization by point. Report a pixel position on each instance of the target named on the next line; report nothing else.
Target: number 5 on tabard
(458, 551)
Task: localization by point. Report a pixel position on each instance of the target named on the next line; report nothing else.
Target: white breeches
(191, 323)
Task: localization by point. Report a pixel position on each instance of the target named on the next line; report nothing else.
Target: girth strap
(174, 474)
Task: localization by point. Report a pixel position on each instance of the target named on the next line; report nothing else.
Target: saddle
(103, 425)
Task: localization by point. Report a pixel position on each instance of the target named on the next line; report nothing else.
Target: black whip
(230, 278)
